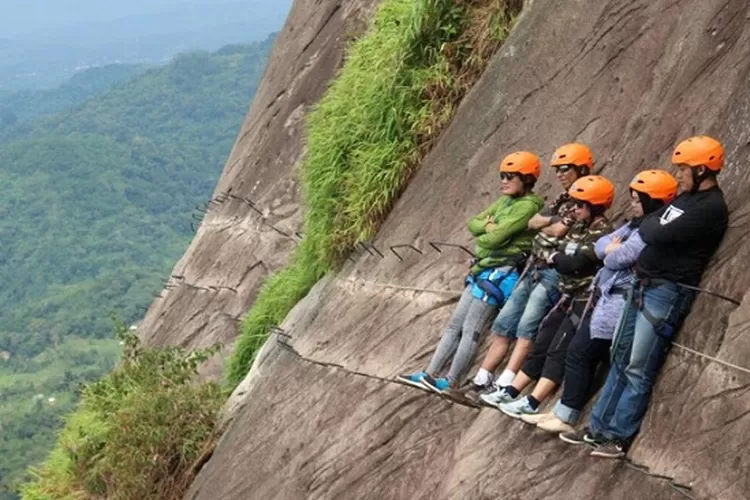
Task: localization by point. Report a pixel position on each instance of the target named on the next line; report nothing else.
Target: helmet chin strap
(698, 178)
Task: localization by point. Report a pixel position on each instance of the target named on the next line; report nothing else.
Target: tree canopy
(95, 212)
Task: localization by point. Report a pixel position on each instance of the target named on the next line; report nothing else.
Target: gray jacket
(615, 277)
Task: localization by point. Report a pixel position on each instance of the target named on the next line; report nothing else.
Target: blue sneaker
(518, 408)
(435, 384)
(413, 379)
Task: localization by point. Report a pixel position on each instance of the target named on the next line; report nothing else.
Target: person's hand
(613, 245)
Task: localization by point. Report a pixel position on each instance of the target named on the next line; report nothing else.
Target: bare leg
(521, 381)
(544, 388)
(519, 354)
(498, 350)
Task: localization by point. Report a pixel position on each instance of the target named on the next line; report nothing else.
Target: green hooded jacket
(511, 238)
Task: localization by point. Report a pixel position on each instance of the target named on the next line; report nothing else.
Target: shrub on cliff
(398, 89)
(140, 432)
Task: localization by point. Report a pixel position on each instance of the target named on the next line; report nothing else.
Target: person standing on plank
(537, 291)
(503, 240)
(577, 263)
(589, 349)
(680, 240)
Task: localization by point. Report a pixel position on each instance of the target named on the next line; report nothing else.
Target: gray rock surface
(236, 246)
(628, 77)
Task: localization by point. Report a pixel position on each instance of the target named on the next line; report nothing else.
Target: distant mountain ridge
(46, 59)
(30, 104)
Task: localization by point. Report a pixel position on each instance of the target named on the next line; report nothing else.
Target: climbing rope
(280, 334)
(458, 293)
(682, 489)
(400, 287)
(712, 358)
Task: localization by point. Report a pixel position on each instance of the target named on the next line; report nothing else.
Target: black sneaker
(472, 391)
(609, 449)
(583, 436)
(459, 396)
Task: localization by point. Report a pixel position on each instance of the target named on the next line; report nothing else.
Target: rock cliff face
(628, 77)
(250, 227)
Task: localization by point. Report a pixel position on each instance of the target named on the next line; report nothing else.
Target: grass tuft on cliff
(141, 432)
(399, 87)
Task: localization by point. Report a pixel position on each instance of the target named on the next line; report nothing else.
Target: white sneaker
(517, 408)
(538, 418)
(496, 398)
(555, 425)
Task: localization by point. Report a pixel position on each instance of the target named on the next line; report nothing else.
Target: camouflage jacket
(576, 260)
(561, 209)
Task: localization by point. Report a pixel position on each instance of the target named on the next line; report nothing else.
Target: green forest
(28, 104)
(99, 180)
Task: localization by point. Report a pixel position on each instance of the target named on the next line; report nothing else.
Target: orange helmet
(573, 154)
(699, 151)
(657, 184)
(594, 189)
(522, 162)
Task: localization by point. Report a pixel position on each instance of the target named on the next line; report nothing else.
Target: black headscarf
(649, 205)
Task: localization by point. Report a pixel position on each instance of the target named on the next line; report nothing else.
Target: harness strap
(649, 282)
(490, 288)
(573, 316)
(629, 298)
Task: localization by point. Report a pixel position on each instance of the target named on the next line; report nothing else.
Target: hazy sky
(33, 16)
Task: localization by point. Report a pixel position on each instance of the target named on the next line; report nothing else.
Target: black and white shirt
(681, 237)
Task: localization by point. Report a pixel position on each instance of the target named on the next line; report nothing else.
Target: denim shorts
(532, 299)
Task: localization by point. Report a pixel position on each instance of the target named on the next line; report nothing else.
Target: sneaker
(519, 407)
(435, 384)
(472, 391)
(413, 379)
(495, 399)
(459, 396)
(609, 449)
(471, 386)
(556, 426)
(537, 418)
(583, 436)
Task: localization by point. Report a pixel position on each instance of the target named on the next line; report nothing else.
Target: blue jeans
(638, 352)
(527, 306)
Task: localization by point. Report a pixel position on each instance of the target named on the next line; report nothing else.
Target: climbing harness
(490, 284)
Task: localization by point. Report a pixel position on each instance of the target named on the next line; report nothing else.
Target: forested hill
(95, 211)
(28, 104)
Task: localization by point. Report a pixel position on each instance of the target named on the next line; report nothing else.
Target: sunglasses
(509, 176)
(581, 204)
(562, 169)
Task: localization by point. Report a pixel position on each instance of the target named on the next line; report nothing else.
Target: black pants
(547, 358)
(585, 367)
